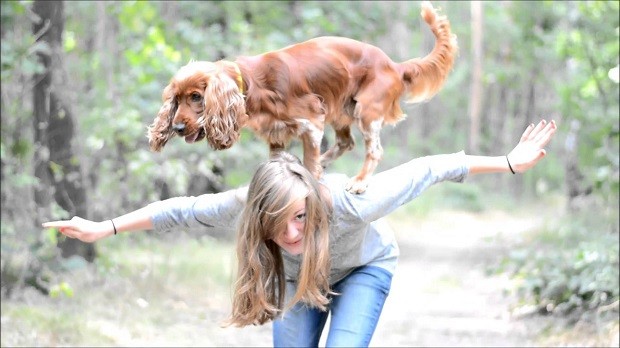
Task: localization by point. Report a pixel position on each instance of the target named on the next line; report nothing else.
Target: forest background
(81, 80)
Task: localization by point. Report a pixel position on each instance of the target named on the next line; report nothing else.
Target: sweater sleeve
(216, 212)
(392, 188)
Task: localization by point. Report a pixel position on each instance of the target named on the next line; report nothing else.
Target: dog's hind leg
(344, 142)
(374, 152)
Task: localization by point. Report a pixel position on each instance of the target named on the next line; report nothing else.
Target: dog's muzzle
(179, 128)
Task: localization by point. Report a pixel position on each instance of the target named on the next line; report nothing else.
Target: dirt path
(441, 294)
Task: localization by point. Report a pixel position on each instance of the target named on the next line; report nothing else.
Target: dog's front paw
(356, 186)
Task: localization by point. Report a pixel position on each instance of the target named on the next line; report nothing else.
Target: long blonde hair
(260, 286)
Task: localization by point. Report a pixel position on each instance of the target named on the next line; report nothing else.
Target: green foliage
(467, 197)
(591, 48)
(63, 288)
(573, 266)
(19, 64)
(450, 196)
(27, 262)
(18, 54)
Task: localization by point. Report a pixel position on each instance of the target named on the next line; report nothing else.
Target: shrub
(572, 267)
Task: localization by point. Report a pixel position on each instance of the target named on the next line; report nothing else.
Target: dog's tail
(424, 77)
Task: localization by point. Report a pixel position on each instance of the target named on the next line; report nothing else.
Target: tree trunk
(59, 175)
(577, 186)
(499, 121)
(397, 44)
(295, 9)
(424, 123)
(522, 121)
(475, 99)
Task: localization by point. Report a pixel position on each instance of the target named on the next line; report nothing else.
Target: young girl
(307, 248)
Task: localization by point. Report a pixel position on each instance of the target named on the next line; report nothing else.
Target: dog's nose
(179, 128)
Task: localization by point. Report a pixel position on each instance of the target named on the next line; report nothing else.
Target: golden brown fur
(295, 91)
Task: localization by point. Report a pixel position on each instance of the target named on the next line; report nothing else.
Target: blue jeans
(354, 313)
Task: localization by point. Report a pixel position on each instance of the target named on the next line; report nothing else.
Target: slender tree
(59, 174)
(475, 100)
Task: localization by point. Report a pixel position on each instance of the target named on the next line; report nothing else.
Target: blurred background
(81, 81)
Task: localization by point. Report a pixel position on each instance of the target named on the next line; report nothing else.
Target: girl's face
(291, 239)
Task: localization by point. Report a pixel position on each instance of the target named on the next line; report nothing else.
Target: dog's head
(202, 100)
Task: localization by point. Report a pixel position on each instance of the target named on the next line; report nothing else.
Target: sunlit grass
(188, 259)
(444, 196)
(137, 285)
(46, 325)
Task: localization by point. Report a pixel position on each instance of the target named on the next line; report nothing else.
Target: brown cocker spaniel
(297, 90)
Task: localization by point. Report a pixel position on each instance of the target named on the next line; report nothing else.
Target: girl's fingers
(539, 127)
(543, 138)
(67, 232)
(532, 131)
(73, 223)
(64, 227)
(542, 153)
(527, 132)
(56, 223)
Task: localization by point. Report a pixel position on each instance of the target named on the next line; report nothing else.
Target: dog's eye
(196, 97)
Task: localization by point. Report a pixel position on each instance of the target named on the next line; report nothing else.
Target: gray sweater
(359, 234)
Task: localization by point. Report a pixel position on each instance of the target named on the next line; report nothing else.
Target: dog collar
(239, 77)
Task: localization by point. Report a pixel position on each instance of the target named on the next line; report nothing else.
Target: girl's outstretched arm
(528, 152)
(91, 231)
(392, 188)
(213, 211)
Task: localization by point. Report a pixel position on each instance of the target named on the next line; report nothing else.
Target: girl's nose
(291, 232)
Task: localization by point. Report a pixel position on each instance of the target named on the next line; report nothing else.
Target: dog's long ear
(224, 111)
(161, 130)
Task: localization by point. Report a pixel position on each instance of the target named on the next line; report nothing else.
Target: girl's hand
(82, 229)
(531, 147)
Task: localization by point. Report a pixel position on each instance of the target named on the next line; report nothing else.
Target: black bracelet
(112, 221)
(509, 166)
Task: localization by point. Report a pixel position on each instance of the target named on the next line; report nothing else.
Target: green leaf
(61, 289)
(51, 235)
(69, 41)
